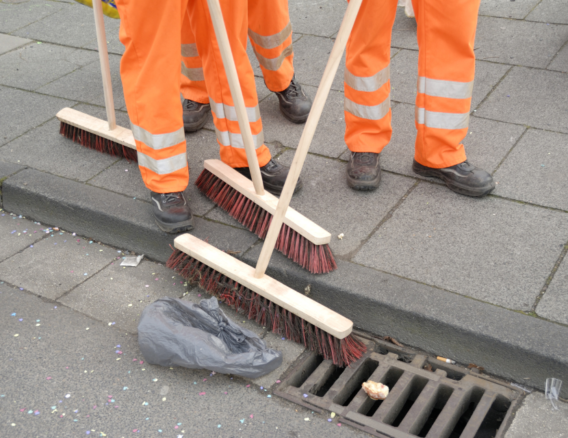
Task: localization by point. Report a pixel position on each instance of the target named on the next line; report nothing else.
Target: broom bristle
(96, 142)
(318, 259)
(341, 352)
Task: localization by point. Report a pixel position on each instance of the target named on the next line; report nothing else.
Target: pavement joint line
(29, 24)
(118, 159)
(492, 89)
(550, 277)
(27, 247)
(555, 55)
(349, 256)
(534, 7)
(86, 279)
(509, 151)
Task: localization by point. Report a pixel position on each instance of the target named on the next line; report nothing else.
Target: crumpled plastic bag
(173, 332)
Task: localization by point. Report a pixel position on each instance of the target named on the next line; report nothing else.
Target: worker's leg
(446, 69)
(151, 82)
(367, 92)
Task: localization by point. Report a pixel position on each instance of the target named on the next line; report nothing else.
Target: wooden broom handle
(307, 136)
(236, 93)
(105, 68)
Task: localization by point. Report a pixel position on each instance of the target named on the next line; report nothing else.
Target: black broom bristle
(318, 259)
(341, 352)
(96, 142)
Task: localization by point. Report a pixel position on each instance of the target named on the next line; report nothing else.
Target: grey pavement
(505, 253)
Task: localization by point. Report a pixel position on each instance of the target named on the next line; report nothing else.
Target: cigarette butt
(443, 359)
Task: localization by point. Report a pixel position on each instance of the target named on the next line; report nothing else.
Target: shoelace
(171, 197)
(271, 165)
(292, 89)
(191, 105)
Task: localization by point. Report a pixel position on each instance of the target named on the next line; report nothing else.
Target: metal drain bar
(427, 398)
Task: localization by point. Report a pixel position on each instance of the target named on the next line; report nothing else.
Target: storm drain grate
(427, 398)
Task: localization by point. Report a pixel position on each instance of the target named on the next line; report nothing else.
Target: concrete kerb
(507, 344)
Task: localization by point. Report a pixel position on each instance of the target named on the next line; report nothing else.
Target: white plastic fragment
(341, 236)
(375, 390)
(132, 261)
(552, 391)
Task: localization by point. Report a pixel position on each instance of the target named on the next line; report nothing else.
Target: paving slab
(17, 234)
(316, 17)
(490, 259)
(554, 303)
(529, 97)
(85, 84)
(328, 139)
(328, 201)
(486, 144)
(39, 64)
(535, 171)
(510, 9)
(560, 63)
(42, 148)
(55, 265)
(404, 74)
(56, 29)
(310, 58)
(536, 417)
(21, 111)
(9, 42)
(550, 11)
(17, 14)
(124, 177)
(404, 31)
(517, 42)
(122, 293)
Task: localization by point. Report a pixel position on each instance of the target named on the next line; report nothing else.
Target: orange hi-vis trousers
(150, 72)
(446, 69)
(270, 33)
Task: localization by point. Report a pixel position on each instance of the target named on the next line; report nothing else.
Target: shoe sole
(364, 186)
(178, 227)
(456, 187)
(277, 191)
(295, 119)
(196, 126)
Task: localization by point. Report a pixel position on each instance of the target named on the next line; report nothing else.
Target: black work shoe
(294, 103)
(172, 212)
(273, 176)
(364, 171)
(194, 115)
(462, 178)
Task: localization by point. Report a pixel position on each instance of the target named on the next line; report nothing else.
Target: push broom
(91, 132)
(249, 290)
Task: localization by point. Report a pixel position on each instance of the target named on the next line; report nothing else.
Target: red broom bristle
(318, 259)
(95, 142)
(341, 352)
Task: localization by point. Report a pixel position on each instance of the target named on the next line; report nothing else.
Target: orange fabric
(264, 18)
(446, 33)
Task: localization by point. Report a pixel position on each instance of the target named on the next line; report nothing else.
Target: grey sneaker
(294, 103)
(463, 178)
(273, 177)
(172, 212)
(195, 115)
(364, 171)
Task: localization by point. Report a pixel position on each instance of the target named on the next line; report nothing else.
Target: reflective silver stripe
(441, 120)
(450, 89)
(369, 83)
(165, 166)
(227, 138)
(189, 50)
(376, 112)
(271, 41)
(193, 74)
(223, 111)
(157, 141)
(273, 64)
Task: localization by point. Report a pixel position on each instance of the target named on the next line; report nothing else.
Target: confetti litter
(201, 393)
(154, 380)
(16, 335)
(248, 386)
(130, 305)
(218, 426)
(269, 396)
(329, 419)
(305, 395)
(306, 419)
(145, 404)
(67, 395)
(242, 421)
(49, 378)
(125, 388)
(164, 399)
(339, 424)
(251, 416)
(87, 328)
(261, 387)
(332, 415)
(13, 314)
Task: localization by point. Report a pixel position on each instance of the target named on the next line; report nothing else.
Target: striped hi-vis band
(227, 138)
(164, 166)
(193, 74)
(157, 141)
(449, 89)
(374, 112)
(368, 83)
(271, 41)
(273, 64)
(224, 111)
(432, 119)
(189, 50)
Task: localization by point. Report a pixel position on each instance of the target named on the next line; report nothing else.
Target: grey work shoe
(364, 171)
(273, 176)
(172, 212)
(294, 103)
(463, 178)
(195, 115)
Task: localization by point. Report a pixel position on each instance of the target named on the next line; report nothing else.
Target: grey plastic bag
(173, 332)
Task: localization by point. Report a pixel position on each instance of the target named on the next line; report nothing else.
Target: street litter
(172, 332)
(552, 391)
(132, 261)
(375, 390)
(443, 359)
